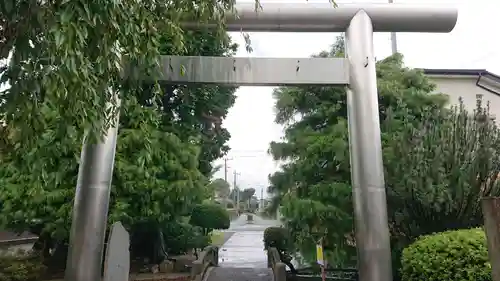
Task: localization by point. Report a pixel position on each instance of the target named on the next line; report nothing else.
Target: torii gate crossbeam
(356, 71)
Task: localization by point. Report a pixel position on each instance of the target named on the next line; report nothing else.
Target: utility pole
(236, 190)
(261, 206)
(394, 41)
(225, 169)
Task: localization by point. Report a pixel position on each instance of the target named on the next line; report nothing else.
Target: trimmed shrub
(280, 239)
(210, 216)
(21, 267)
(453, 255)
(182, 237)
(277, 237)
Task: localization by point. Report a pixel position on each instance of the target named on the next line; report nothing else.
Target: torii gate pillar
(367, 170)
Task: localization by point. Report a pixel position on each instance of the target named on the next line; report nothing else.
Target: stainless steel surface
(90, 211)
(254, 71)
(367, 173)
(323, 17)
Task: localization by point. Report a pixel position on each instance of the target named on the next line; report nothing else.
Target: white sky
(474, 43)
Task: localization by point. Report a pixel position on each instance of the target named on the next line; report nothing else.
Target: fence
(332, 274)
(306, 274)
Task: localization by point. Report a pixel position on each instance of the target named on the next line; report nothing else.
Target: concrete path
(242, 256)
(245, 248)
(239, 274)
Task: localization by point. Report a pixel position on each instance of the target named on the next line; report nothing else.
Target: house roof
(465, 72)
(486, 80)
(8, 237)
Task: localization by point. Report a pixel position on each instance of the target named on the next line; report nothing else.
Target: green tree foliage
(277, 237)
(190, 111)
(181, 237)
(210, 216)
(451, 255)
(155, 178)
(65, 55)
(247, 194)
(438, 161)
(220, 187)
(314, 186)
(437, 173)
(166, 144)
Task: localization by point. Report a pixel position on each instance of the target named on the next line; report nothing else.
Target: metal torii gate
(356, 71)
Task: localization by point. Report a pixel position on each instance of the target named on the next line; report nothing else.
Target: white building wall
(465, 87)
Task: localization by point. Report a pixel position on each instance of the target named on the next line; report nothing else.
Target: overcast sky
(474, 43)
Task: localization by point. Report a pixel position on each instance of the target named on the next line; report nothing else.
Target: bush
(210, 216)
(181, 237)
(21, 267)
(277, 237)
(453, 255)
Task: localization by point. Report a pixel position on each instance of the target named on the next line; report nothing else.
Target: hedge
(210, 216)
(277, 237)
(453, 255)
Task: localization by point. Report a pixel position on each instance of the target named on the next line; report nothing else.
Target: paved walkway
(239, 274)
(242, 256)
(245, 249)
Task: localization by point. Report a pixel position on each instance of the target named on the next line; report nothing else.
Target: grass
(217, 238)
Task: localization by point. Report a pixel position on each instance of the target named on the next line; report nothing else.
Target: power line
(248, 151)
(249, 156)
(488, 55)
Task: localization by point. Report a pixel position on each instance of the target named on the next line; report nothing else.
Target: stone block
(167, 267)
(183, 263)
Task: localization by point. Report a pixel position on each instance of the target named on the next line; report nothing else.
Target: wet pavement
(245, 247)
(239, 274)
(242, 257)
